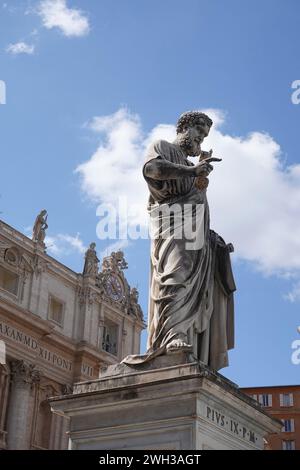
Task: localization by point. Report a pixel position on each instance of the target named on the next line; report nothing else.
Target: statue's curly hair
(190, 118)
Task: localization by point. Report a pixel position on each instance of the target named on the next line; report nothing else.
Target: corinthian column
(21, 405)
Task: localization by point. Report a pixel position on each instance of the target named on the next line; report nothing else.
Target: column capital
(23, 372)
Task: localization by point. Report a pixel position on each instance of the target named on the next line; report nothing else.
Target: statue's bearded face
(191, 138)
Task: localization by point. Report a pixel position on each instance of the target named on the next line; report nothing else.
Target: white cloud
(9, 8)
(114, 171)
(64, 244)
(20, 48)
(34, 32)
(56, 14)
(254, 201)
(254, 197)
(294, 294)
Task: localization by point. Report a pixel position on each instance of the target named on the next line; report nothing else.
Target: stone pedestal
(171, 403)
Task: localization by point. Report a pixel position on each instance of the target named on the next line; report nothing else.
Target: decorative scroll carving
(110, 283)
(25, 373)
(12, 256)
(66, 389)
(16, 259)
(115, 262)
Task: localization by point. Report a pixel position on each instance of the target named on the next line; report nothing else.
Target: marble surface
(164, 405)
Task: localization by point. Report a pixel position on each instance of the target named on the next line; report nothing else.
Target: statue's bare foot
(178, 345)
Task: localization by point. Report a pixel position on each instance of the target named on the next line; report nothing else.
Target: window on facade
(265, 399)
(110, 338)
(286, 399)
(288, 425)
(56, 310)
(9, 281)
(288, 445)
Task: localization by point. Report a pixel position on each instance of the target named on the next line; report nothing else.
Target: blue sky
(68, 64)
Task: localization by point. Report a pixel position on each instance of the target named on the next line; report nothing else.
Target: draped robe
(191, 290)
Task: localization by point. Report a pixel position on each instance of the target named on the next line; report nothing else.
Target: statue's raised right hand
(203, 168)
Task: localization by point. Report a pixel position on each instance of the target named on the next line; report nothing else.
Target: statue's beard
(188, 145)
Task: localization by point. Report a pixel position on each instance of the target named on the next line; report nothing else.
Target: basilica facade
(57, 327)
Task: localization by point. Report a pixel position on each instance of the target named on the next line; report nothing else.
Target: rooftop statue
(91, 261)
(40, 227)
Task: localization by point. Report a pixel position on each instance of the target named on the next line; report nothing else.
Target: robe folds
(191, 280)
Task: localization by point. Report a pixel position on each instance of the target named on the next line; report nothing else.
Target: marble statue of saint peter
(191, 286)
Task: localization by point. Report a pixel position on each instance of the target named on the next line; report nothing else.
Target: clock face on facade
(113, 287)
